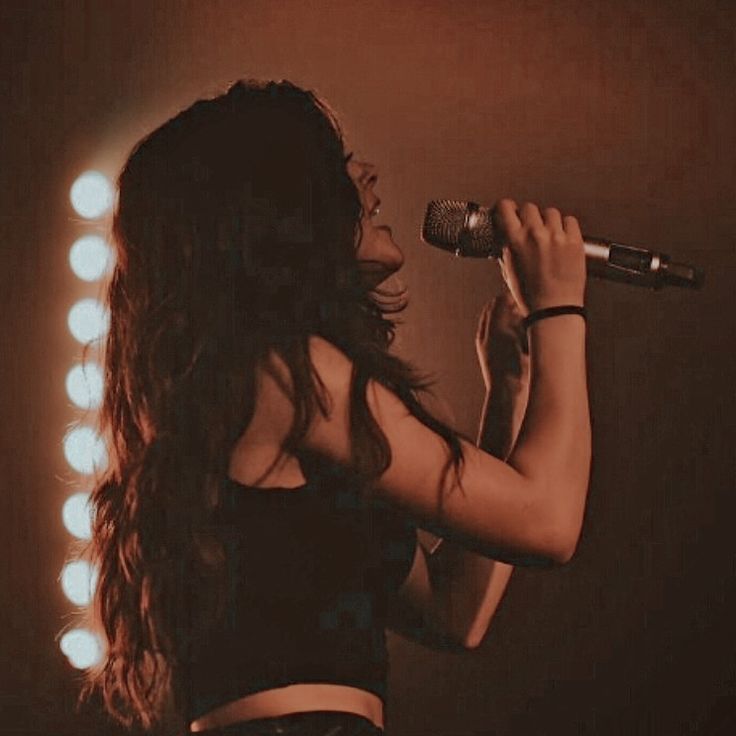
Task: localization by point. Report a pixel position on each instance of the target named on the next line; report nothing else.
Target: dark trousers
(312, 723)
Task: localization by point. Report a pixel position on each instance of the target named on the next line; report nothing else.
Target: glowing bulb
(77, 515)
(78, 581)
(91, 194)
(90, 257)
(82, 648)
(85, 450)
(88, 320)
(84, 384)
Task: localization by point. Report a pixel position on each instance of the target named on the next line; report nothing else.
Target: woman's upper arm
(497, 508)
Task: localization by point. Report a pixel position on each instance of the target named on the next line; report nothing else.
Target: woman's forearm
(501, 416)
(469, 585)
(553, 449)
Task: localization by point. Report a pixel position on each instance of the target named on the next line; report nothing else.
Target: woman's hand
(501, 343)
(543, 261)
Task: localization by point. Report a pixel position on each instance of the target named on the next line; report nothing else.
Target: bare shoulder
(494, 509)
(274, 412)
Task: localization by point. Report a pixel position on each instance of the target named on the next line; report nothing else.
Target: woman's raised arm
(514, 507)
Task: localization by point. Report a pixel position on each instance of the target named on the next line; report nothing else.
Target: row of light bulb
(90, 259)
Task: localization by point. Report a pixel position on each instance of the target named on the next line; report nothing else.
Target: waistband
(312, 723)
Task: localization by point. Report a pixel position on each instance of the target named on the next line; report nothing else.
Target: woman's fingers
(512, 218)
(484, 319)
(530, 215)
(505, 216)
(572, 227)
(553, 220)
(500, 314)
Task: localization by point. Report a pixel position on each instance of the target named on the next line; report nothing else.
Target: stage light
(90, 257)
(84, 384)
(77, 515)
(85, 450)
(91, 195)
(78, 581)
(82, 648)
(88, 320)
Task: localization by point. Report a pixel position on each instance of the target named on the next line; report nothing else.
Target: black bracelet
(553, 312)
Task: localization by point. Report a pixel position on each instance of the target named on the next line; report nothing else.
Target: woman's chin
(374, 280)
(374, 276)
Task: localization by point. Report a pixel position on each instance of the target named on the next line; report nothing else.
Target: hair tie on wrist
(553, 312)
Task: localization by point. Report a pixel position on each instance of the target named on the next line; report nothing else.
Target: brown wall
(620, 113)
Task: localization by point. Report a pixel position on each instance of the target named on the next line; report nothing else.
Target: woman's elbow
(564, 530)
(565, 545)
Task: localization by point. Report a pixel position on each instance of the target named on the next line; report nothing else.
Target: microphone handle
(604, 259)
(613, 261)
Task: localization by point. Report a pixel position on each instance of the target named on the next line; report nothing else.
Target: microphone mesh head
(444, 222)
(461, 227)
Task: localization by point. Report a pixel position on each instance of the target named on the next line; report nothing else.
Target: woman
(271, 461)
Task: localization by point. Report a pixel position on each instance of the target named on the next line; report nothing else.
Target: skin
(379, 257)
(499, 345)
(378, 254)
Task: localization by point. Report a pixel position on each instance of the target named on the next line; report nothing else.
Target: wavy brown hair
(235, 230)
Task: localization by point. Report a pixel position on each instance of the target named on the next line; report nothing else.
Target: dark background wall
(620, 113)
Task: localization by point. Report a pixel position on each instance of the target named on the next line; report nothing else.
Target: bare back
(259, 446)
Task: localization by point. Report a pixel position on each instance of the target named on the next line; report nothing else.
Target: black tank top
(311, 570)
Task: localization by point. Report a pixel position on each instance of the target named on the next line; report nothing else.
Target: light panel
(78, 581)
(85, 450)
(82, 648)
(88, 320)
(90, 257)
(77, 515)
(84, 384)
(91, 195)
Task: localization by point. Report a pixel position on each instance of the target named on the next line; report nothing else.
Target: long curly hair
(235, 230)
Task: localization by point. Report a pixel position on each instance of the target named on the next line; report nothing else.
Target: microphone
(466, 229)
